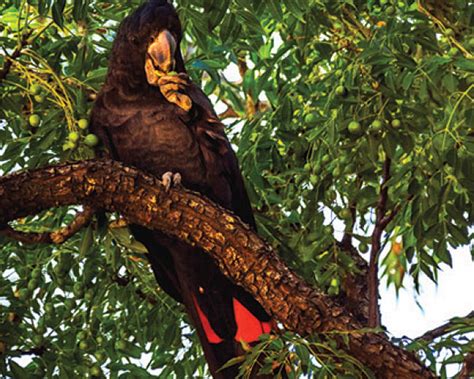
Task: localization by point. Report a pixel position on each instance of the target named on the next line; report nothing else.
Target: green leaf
(18, 371)
(57, 11)
(86, 242)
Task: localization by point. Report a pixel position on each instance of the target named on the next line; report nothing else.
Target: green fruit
(338, 73)
(83, 123)
(69, 145)
(41, 329)
(310, 118)
(49, 308)
(336, 171)
(89, 295)
(470, 43)
(363, 247)
(38, 340)
(95, 371)
(334, 282)
(39, 98)
(91, 140)
(24, 294)
(349, 169)
(99, 340)
(341, 90)
(449, 32)
(401, 4)
(325, 159)
(307, 167)
(354, 127)
(78, 290)
(376, 125)
(121, 345)
(345, 213)
(396, 123)
(35, 89)
(32, 285)
(313, 179)
(70, 304)
(73, 136)
(36, 273)
(453, 51)
(34, 120)
(83, 345)
(390, 10)
(383, 2)
(82, 335)
(331, 195)
(100, 356)
(59, 270)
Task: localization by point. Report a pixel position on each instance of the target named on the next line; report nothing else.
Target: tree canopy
(353, 124)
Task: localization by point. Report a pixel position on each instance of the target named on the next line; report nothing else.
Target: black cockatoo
(150, 115)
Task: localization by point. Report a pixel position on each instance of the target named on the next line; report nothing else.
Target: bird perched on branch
(149, 114)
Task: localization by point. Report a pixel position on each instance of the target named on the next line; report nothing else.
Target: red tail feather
(249, 328)
(211, 335)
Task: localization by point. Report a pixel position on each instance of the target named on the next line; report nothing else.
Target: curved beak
(161, 52)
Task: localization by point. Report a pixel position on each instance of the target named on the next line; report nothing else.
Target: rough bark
(241, 254)
(468, 367)
(355, 293)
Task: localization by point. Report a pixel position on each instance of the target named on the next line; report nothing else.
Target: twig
(125, 281)
(441, 330)
(228, 113)
(57, 237)
(16, 53)
(346, 241)
(381, 221)
(443, 28)
(33, 351)
(361, 28)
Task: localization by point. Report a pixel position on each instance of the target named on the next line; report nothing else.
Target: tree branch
(228, 113)
(33, 351)
(441, 330)
(9, 59)
(57, 237)
(240, 254)
(355, 294)
(381, 221)
(468, 367)
(124, 281)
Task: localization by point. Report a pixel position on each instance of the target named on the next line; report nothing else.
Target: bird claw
(173, 88)
(168, 179)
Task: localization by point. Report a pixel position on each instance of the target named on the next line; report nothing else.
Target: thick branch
(468, 367)
(241, 255)
(356, 295)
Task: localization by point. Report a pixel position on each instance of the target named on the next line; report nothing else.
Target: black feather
(140, 127)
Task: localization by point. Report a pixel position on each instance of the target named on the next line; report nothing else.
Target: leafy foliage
(327, 92)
